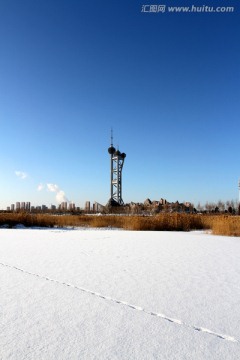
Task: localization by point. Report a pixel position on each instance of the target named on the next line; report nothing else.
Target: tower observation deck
(116, 166)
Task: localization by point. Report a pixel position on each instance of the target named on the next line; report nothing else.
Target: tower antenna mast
(111, 137)
(116, 166)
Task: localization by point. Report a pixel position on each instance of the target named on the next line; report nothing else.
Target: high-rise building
(87, 205)
(71, 206)
(23, 205)
(63, 205)
(28, 206)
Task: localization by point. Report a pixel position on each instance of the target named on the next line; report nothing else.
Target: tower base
(112, 203)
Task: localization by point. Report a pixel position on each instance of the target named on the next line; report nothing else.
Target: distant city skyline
(168, 85)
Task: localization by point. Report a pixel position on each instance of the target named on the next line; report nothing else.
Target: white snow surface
(107, 294)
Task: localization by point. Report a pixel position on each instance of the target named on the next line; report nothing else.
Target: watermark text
(186, 9)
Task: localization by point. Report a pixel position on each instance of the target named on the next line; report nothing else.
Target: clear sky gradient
(168, 85)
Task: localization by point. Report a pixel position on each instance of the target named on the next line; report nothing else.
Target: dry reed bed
(226, 225)
(219, 224)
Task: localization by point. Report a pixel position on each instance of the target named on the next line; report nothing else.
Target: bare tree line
(229, 206)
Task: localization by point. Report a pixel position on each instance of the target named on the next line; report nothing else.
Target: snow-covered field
(108, 294)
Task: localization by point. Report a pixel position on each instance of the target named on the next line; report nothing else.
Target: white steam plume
(60, 194)
(53, 187)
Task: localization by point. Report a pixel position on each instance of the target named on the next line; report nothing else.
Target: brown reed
(219, 224)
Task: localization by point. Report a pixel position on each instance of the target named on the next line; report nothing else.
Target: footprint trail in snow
(135, 307)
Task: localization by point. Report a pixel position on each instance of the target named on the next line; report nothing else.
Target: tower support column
(116, 166)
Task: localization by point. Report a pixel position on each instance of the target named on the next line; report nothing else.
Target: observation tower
(116, 166)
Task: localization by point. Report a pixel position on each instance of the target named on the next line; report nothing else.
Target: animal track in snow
(125, 303)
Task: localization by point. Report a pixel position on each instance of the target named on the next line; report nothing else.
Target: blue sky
(168, 85)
